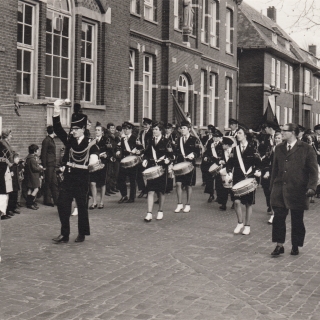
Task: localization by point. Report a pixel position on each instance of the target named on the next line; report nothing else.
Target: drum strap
(241, 162)
(154, 154)
(213, 150)
(126, 144)
(182, 147)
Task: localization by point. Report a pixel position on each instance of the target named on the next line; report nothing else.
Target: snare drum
(214, 169)
(130, 161)
(244, 187)
(227, 183)
(153, 173)
(182, 168)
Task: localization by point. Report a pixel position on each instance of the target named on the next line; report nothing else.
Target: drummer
(211, 155)
(222, 192)
(187, 149)
(233, 124)
(171, 136)
(245, 163)
(127, 147)
(158, 153)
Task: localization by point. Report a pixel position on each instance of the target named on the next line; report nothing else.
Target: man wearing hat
(207, 139)
(126, 147)
(294, 178)
(211, 155)
(80, 156)
(171, 136)
(233, 126)
(48, 160)
(268, 142)
(145, 138)
(187, 150)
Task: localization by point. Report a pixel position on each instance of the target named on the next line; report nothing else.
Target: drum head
(149, 170)
(213, 167)
(179, 165)
(223, 172)
(243, 183)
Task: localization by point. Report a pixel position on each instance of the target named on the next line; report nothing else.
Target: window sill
(178, 30)
(137, 15)
(30, 100)
(230, 54)
(151, 21)
(87, 105)
(213, 47)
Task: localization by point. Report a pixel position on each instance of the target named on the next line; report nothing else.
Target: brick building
(120, 59)
(274, 70)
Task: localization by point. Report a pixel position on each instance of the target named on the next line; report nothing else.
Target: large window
(290, 79)
(229, 31)
(278, 114)
(278, 73)
(176, 14)
(147, 86)
(214, 23)
(25, 49)
(290, 115)
(273, 72)
(204, 22)
(202, 91)
(228, 101)
(87, 62)
(285, 115)
(213, 95)
(149, 10)
(131, 83)
(135, 6)
(183, 92)
(58, 50)
(286, 77)
(307, 82)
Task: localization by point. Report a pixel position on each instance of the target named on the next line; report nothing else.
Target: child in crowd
(32, 176)
(13, 199)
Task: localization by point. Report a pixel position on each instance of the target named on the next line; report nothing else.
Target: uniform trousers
(74, 187)
(51, 185)
(298, 230)
(122, 186)
(140, 181)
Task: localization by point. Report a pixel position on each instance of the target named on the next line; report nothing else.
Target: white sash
(8, 180)
(154, 154)
(241, 162)
(227, 154)
(213, 150)
(142, 138)
(126, 144)
(181, 147)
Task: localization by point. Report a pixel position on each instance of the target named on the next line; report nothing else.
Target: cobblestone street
(187, 266)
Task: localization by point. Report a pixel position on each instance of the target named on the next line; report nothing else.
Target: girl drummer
(244, 163)
(158, 153)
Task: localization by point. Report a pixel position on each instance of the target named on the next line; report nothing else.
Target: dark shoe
(311, 201)
(19, 205)
(10, 213)
(278, 250)
(157, 202)
(232, 207)
(61, 239)
(16, 211)
(269, 210)
(80, 238)
(111, 192)
(33, 207)
(115, 190)
(107, 194)
(210, 198)
(129, 201)
(294, 251)
(49, 204)
(223, 208)
(93, 206)
(5, 217)
(123, 199)
(101, 206)
(141, 194)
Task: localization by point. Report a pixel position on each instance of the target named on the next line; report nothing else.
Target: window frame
(176, 22)
(290, 79)
(274, 38)
(290, 115)
(228, 99)
(148, 5)
(184, 89)
(148, 74)
(92, 62)
(307, 82)
(213, 7)
(131, 84)
(273, 72)
(278, 113)
(229, 31)
(202, 90)
(33, 53)
(213, 91)
(286, 77)
(278, 74)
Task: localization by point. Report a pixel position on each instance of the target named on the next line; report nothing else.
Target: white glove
(118, 153)
(257, 173)
(62, 168)
(144, 163)
(229, 177)
(205, 159)
(190, 156)
(221, 162)
(267, 175)
(57, 104)
(166, 161)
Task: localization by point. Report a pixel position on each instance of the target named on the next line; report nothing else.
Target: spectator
(13, 199)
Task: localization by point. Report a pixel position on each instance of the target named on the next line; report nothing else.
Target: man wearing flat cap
(233, 124)
(294, 178)
(79, 157)
(127, 147)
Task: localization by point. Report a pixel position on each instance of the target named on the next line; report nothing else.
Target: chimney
(313, 49)
(272, 13)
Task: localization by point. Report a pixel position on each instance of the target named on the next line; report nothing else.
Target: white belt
(78, 166)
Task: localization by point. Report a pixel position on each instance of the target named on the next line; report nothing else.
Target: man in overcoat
(294, 178)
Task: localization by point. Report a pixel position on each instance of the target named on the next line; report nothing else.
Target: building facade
(122, 60)
(275, 71)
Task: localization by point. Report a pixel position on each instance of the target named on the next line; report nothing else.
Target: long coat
(48, 152)
(32, 172)
(293, 173)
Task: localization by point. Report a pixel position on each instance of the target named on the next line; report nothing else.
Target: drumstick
(160, 159)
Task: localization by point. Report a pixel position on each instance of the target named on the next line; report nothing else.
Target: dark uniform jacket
(48, 152)
(132, 144)
(293, 173)
(190, 146)
(4, 157)
(147, 137)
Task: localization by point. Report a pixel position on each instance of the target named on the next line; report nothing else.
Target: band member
(211, 155)
(172, 137)
(187, 150)
(126, 147)
(233, 126)
(205, 164)
(268, 142)
(222, 192)
(98, 177)
(80, 155)
(294, 178)
(244, 163)
(158, 153)
(266, 169)
(145, 138)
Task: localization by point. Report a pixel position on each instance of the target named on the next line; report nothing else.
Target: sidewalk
(187, 266)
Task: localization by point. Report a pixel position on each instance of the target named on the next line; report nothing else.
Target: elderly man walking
(294, 179)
